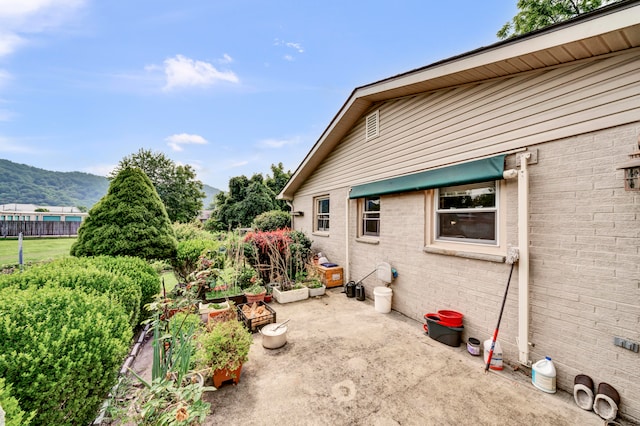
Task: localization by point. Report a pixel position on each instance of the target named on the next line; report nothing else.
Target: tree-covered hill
(24, 184)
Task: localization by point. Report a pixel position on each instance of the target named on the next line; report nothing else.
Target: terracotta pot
(223, 375)
(255, 297)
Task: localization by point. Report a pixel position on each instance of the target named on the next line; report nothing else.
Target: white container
(543, 375)
(496, 357)
(383, 299)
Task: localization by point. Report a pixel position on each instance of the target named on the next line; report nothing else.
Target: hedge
(137, 270)
(80, 273)
(61, 350)
(14, 415)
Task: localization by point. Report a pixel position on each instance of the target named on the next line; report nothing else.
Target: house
(32, 212)
(525, 144)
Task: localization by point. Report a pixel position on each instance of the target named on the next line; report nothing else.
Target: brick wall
(584, 262)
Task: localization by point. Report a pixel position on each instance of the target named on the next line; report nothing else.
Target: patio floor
(347, 364)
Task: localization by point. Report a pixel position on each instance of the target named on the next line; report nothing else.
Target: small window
(372, 125)
(322, 214)
(467, 213)
(371, 216)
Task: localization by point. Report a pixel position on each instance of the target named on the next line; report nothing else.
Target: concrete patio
(347, 364)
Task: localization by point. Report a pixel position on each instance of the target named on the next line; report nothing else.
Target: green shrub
(272, 220)
(186, 260)
(14, 415)
(191, 231)
(139, 271)
(82, 274)
(130, 220)
(61, 351)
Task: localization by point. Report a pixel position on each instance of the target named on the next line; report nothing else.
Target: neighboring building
(410, 171)
(204, 215)
(27, 212)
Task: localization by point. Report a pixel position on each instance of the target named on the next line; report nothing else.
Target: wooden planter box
(291, 295)
(332, 276)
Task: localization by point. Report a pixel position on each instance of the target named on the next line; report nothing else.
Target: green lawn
(34, 250)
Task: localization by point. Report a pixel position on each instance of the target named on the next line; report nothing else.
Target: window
(371, 216)
(467, 213)
(322, 214)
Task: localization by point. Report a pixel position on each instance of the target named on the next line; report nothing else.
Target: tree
(129, 221)
(176, 185)
(277, 182)
(537, 14)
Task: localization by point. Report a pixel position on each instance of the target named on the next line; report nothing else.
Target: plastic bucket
(496, 357)
(450, 318)
(382, 297)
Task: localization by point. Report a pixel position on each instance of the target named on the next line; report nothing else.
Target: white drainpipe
(346, 238)
(523, 262)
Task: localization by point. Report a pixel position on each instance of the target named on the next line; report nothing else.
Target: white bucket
(496, 357)
(383, 299)
(543, 375)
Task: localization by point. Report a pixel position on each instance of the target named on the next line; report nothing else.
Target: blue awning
(474, 171)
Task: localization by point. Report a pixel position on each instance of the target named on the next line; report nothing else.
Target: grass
(34, 250)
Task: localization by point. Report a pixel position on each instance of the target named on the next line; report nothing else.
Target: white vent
(372, 125)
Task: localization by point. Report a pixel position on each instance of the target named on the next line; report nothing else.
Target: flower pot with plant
(255, 293)
(315, 286)
(222, 349)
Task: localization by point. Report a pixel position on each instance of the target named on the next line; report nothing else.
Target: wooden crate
(331, 276)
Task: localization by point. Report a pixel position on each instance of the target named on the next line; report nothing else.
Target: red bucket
(450, 318)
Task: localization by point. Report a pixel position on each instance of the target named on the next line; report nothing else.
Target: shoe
(606, 402)
(583, 391)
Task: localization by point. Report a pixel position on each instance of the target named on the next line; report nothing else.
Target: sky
(228, 87)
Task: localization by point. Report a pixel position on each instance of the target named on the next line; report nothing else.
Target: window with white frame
(371, 216)
(322, 214)
(467, 213)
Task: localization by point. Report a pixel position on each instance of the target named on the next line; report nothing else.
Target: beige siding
(472, 121)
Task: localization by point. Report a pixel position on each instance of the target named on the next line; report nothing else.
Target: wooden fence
(38, 229)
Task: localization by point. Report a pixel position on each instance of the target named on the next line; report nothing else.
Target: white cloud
(185, 72)
(176, 141)
(278, 143)
(226, 59)
(290, 45)
(296, 46)
(21, 17)
(9, 42)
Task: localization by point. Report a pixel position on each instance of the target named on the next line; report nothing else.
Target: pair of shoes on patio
(604, 403)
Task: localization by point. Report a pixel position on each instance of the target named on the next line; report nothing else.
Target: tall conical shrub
(129, 221)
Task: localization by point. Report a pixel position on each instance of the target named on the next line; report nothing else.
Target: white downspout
(523, 262)
(290, 204)
(346, 238)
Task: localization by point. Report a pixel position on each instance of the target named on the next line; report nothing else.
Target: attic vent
(372, 126)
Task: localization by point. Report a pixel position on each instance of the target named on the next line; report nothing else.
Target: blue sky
(229, 87)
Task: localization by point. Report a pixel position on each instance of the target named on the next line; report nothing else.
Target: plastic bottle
(543, 375)
(496, 357)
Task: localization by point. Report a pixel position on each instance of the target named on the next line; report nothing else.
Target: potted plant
(222, 349)
(290, 291)
(255, 293)
(315, 286)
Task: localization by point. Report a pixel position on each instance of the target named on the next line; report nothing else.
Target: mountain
(24, 184)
